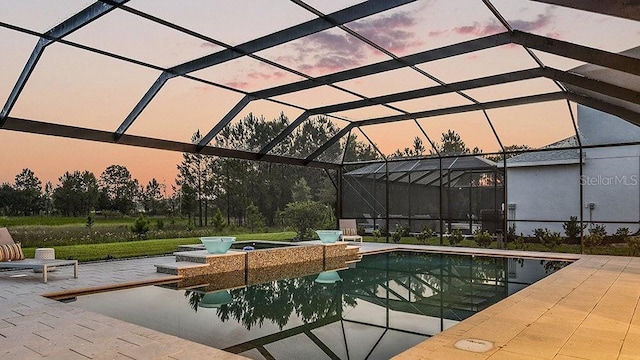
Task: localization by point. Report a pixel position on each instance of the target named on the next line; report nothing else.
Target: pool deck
(588, 310)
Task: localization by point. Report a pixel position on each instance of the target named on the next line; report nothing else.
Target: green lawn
(129, 249)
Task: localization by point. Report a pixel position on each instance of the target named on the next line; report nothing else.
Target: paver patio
(588, 310)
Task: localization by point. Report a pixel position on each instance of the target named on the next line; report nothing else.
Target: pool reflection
(375, 310)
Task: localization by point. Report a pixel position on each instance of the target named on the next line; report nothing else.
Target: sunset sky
(74, 87)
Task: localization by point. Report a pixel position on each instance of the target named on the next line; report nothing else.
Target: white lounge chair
(349, 230)
(35, 264)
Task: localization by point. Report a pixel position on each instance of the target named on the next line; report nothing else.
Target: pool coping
(589, 309)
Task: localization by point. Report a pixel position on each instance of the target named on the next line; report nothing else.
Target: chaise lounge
(349, 230)
(11, 257)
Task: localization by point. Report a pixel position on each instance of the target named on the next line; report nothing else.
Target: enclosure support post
(581, 205)
(386, 181)
(580, 184)
(470, 213)
(505, 201)
(449, 200)
(409, 199)
(441, 204)
(339, 173)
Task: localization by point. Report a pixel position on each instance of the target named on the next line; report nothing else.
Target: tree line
(80, 192)
(238, 187)
(246, 192)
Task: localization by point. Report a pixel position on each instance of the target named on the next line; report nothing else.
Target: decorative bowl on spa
(217, 244)
(329, 236)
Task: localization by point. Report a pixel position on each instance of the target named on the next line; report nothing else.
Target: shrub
(425, 234)
(572, 228)
(620, 235)
(633, 242)
(599, 230)
(548, 238)
(160, 224)
(384, 231)
(519, 243)
(255, 219)
(360, 230)
(306, 216)
(89, 223)
(218, 221)
(376, 235)
(456, 237)
(400, 232)
(539, 233)
(593, 239)
(511, 233)
(482, 238)
(140, 227)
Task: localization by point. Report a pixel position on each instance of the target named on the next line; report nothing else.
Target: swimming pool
(384, 305)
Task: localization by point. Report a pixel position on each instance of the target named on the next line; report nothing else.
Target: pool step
(183, 268)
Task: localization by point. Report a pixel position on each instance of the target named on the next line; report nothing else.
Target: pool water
(384, 305)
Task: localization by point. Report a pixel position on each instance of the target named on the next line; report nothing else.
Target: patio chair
(12, 257)
(349, 230)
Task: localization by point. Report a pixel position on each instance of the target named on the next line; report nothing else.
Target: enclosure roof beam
(586, 54)
(224, 122)
(464, 108)
(598, 86)
(142, 104)
(280, 37)
(343, 16)
(283, 134)
(550, 73)
(415, 59)
(621, 112)
(66, 131)
(619, 8)
(329, 142)
(75, 22)
(434, 90)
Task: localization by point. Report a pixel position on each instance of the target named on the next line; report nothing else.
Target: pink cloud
(540, 22)
(436, 33)
(331, 51)
(259, 75)
(493, 27)
(394, 32)
(238, 84)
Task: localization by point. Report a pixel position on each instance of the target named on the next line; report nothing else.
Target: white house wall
(550, 190)
(543, 193)
(611, 183)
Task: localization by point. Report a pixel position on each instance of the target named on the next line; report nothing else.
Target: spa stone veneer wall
(197, 263)
(287, 255)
